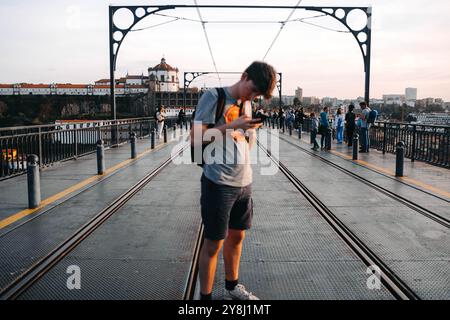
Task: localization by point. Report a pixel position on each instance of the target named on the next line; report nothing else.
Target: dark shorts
(225, 207)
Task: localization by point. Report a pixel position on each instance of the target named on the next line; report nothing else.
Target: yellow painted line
(15, 217)
(391, 173)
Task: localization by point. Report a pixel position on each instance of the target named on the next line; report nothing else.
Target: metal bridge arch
(117, 34)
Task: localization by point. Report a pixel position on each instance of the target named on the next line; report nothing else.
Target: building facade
(163, 77)
(394, 99)
(299, 94)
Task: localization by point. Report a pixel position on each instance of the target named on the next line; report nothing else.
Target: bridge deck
(145, 250)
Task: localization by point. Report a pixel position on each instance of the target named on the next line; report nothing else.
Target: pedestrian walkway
(420, 174)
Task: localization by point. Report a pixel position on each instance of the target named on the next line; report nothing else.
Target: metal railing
(56, 143)
(426, 143)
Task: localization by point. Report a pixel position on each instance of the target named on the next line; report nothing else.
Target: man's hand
(245, 123)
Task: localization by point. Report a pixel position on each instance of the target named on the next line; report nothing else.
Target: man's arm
(244, 122)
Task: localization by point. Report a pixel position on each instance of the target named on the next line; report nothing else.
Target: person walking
(160, 119)
(364, 129)
(314, 130)
(181, 117)
(226, 188)
(324, 126)
(350, 125)
(338, 124)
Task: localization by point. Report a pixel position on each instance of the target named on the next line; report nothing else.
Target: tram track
(74, 194)
(35, 272)
(410, 204)
(396, 286)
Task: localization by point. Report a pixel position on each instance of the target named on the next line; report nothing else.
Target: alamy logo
(374, 281)
(230, 148)
(74, 280)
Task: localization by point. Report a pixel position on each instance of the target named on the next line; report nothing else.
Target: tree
(297, 102)
(434, 108)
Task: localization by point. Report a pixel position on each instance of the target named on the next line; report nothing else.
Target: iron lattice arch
(117, 34)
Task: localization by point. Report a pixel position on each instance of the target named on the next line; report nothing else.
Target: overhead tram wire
(156, 25)
(207, 41)
(302, 20)
(281, 29)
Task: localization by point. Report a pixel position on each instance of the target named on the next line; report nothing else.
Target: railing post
(76, 140)
(40, 146)
(384, 138)
(328, 139)
(413, 150)
(34, 185)
(165, 134)
(355, 145)
(133, 145)
(100, 157)
(152, 138)
(400, 157)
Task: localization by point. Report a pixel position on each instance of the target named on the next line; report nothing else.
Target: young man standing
(365, 142)
(226, 196)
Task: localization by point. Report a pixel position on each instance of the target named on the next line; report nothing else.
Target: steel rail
(392, 282)
(410, 204)
(39, 269)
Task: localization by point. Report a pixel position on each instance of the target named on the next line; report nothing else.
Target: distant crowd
(341, 126)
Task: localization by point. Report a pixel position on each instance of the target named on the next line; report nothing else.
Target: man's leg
(366, 139)
(232, 253)
(208, 263)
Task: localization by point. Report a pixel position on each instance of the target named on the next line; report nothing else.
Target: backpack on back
(219, 111)
(373, 114)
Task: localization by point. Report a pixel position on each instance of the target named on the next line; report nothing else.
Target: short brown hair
(263, 76)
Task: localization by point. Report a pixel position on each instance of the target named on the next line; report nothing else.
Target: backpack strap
(220, 106)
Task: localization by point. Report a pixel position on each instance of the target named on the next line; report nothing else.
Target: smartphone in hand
(257, 120)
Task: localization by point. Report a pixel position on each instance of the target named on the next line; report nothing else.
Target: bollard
(174, 132)
(355, 146)
(34, 185)
(165, 134)
(290, 130)
(328, 139)
(100, 157)
(400, 159)
(300, 131)
(186, 125)
(133, 145)
(273, 124)
(152, 138)
(282, 125)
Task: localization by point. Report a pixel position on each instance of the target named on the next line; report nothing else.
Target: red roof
(6, 86)
(163, 66)
(30, 85)
(71, 86)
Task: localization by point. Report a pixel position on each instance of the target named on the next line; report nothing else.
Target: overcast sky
(65, 41)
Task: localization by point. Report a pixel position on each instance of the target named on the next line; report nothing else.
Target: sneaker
(239, 293)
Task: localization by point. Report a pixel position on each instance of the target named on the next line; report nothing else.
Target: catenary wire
(283, 24)
(209, 44)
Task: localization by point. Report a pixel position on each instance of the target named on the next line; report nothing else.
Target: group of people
(291, 118)
(341, 123)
